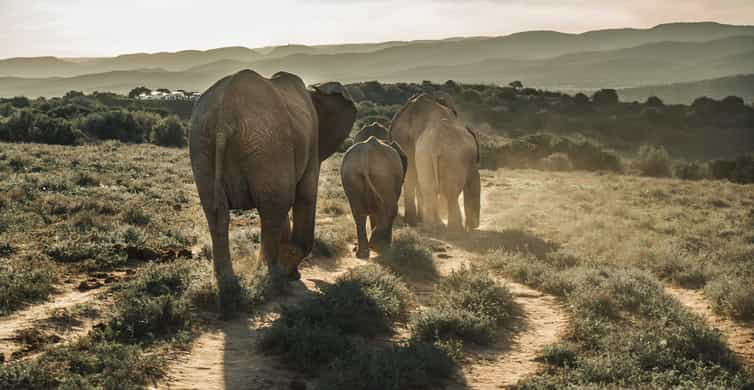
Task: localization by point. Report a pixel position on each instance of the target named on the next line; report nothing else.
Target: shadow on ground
(483, 241)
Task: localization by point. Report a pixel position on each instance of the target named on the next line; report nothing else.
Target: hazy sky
(108, 27)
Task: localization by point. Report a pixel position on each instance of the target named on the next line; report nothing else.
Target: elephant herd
(258, 143)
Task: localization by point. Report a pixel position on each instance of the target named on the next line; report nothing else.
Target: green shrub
(739, 170)
(653, 161)
(362, 302)
(408, 255)
(561, 355)
(468, 305)
(24, 281)
(693, 170)
(169, 131)
(86, 363)
(414, 365)
(732, 295)
(145, 319)
(451, 323)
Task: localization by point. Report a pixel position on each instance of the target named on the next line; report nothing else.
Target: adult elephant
(372, 174)
(447, 155)
(422, 112)
(258, 143)
(375, 129)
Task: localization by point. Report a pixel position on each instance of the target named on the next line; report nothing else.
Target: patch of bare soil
(738, 336)
(227, 357)
(24, 333)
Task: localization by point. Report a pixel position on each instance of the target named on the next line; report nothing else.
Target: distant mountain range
(685, 93)
(618, 58)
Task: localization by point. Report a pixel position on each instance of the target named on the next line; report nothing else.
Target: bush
(468, 305)
(557, 162)
(363, 302)
(87, 363)
(653, 161)
(740, 170)
(732, 295)
(414, 365)
(169, 131)
(691, 170)
(25, 281)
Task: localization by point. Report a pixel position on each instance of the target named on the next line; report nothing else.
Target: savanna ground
(574, 279)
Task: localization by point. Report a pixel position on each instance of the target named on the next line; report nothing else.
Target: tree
(163, 90)
(138, 91)
(580, 99)
(516, 84)
(654, 101)
(607, 97)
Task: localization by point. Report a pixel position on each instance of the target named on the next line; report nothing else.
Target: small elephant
(447, 157)
(372, 173)
(376, 129)
(258, 143)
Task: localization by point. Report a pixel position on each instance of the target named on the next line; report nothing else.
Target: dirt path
(541, 321)
(227, 357)
(739, 336)
(34, 316)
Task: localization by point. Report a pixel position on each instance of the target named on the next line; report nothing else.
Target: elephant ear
(404, 158)
(333, 88)
(476, 141)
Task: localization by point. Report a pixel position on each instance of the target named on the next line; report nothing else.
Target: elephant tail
(221, 141)
(372, 188)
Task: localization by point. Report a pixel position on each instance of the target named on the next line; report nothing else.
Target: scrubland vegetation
(521, 127)
(592, 211)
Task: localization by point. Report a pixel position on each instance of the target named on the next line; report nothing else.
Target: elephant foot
(229, 297)
(293, 275)
(290, 258)
(362, 253)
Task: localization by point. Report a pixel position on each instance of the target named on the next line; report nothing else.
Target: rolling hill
(618, 58)
(685, 93)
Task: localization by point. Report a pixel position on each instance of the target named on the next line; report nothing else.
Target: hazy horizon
(88, 28)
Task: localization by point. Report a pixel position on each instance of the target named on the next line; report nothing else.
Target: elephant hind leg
(455, 222)
(362, 248)
(272, 229)
(227, 282)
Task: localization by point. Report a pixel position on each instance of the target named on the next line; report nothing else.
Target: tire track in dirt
(227, 357)
(738, 336)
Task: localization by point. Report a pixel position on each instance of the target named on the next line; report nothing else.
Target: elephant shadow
(509, 240)
(245, 365)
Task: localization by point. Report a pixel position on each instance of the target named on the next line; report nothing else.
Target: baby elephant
(372, 173)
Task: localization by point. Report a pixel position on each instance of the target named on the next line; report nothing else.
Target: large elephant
(372, 173)
(258, 143)
(447, 155)
(420, 113)
(375, 129)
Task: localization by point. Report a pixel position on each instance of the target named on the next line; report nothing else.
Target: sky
(88, 28)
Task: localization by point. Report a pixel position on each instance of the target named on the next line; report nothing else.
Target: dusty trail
(227, 357)
(739, 337)
(36, 315)
(541, 321)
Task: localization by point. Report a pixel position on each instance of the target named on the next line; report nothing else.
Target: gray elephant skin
(372, 173)
(375, 129)
(420, 113)
(258, 143)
